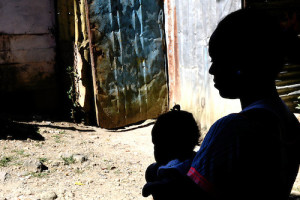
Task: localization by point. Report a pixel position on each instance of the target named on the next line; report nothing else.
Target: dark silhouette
(253, 154)
(175, 135)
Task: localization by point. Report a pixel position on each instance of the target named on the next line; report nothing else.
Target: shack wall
(128, 59)
(27, 55)
(288, 14)
(189, 25)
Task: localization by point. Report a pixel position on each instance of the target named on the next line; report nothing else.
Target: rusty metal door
(128, 60)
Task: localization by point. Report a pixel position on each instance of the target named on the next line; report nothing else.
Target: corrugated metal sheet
(172, 52)
(196, 21)
(288, 86)
(127, 38)
(27, 50)
(288, 12)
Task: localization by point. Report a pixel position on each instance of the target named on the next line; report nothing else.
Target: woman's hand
(174, 186)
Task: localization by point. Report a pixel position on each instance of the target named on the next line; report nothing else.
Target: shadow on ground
(134, 126)
(67, 128)
(11, 130)
(294, 197)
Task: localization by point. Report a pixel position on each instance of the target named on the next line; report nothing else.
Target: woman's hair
(177, 129)
(253, 38)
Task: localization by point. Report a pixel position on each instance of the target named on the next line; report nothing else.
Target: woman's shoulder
(229, 120)
(227, 125)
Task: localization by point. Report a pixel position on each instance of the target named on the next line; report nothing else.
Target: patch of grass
(18, 163)
(57, 138)
(117, 172)
(43, 160)
(20, 152)
(62, 132)
(5, 160)
(38, 144)
(68, 160)
(79, 171)
(38, 174)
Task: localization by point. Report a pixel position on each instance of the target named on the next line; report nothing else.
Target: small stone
(34, 165)
(65, 155)
(57, 163)
(91, 181)
(62, 191)
(27, 192)
(48, 196)
(69, 194)
(95, 137)
(80, 158)
(9, 137)
(102, 176)
(54, 131)
(22, 174)
(48, 123)
(4, 176)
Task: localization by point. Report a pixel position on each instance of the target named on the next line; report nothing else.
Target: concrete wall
(27, 55)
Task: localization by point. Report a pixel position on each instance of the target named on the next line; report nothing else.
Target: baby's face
(162, 154)
(164, 151)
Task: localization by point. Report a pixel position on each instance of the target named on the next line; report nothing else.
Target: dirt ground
(61, 160)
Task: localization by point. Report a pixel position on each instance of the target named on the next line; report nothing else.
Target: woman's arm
(177, 186)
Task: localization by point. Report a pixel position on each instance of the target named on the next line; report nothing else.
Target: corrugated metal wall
(192, 22)
(288, 13)
(128, 59)
(27, 54)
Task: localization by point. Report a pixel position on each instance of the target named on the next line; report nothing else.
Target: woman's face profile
(226, 73)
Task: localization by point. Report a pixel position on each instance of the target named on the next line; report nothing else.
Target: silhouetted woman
(253, 154)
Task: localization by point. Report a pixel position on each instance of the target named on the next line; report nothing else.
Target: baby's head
(174, 135)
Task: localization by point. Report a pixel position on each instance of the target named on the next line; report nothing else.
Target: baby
(174, 135)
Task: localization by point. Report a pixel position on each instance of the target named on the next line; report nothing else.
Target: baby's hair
(176, 107)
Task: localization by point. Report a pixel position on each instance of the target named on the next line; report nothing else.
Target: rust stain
(90, 38)
(176, 53)
(173, 55)
(170, 53)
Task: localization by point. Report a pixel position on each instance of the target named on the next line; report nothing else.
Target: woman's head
(246, 47)
(174, 135)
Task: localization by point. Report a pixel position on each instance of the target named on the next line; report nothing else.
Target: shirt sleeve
(217, 157)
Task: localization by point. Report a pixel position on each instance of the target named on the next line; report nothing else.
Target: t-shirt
(251, 154)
